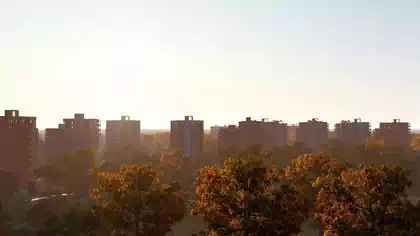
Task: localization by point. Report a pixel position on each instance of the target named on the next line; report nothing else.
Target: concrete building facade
(72, 135)
(291, 134)
(352, 133)
(214, 131)
(188, 134)
(228, 137)
(264, 133)
(275, 134)
(18, 145)
(121, 134)
(395, 133)
(313, 134)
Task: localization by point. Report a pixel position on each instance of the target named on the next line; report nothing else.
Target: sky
(220, 60)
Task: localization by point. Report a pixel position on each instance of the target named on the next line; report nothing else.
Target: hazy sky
(220, 61)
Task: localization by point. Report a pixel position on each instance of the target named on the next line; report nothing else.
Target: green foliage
(246, 197)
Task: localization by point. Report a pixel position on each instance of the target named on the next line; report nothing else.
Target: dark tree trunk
(321, 230)
(136, 227)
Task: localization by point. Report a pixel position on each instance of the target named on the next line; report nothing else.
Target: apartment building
(395, 133)
(264, 133)
(121, 134)
(228, 137)
(291, 134)
(352, 133)
(72, 135)
(188, 134)
(313, 134)
(18, 145)
(214, 131)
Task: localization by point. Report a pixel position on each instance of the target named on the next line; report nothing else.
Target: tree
(72, 173)
(369, 200)
(77, 220)
(247, 197)
(155, 143)
(4, 219)
(133, 200)
(303, 173)
(285, 155)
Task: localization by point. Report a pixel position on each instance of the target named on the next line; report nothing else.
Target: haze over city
(217, 60)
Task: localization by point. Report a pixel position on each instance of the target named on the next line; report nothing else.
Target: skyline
(103, 123)
(219, 61)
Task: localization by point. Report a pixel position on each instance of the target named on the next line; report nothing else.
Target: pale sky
(219, 60)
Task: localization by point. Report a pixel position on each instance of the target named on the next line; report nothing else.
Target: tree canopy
(368, 200)
(247, 197)
(133, 200)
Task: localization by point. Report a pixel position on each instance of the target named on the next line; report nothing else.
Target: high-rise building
(121, 134)
(188, 134)
(264, 133)
(352, 133)
(291, 134)
(275, 134)
(228, 137)
(72, 135)
(18, 145)
(313, 134)
(250, 133)
(56, 144)
(214, 131)
(395, 133)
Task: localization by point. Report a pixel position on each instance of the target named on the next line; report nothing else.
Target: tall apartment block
(214, 131)
(188, 134)
(121, 134)
(72, 135)
(313, 134)
(291, 134)
(352, 133)
(275, 133)
(18, 145)
(228, 137)
(268, 134)
(395, 133)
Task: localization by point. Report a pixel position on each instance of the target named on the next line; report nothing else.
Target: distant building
(121, 134)
(250, 133)
(214, 131)
(188, 134)
(376, 132)
(56, 144)
(313, 134)
(352, 133)
(275, 134)
(267, 134)
(72, 135)
(291, 134)
(18, 145)
(228, 137)
(395, 133)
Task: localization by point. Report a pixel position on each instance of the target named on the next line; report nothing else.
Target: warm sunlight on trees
(370, 200)
(133, 200)
(247, 197)
(304, 171)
